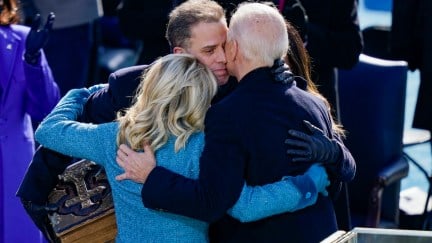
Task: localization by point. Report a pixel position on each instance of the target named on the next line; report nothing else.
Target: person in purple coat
(28, 93)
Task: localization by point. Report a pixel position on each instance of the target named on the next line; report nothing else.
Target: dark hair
(9, 12)
(189, 14)
(298, 58)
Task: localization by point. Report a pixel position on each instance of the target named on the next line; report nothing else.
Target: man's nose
(220, 55)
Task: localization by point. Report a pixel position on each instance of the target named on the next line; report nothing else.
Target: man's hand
(281, 72)
(95, 88)
(316, 147)
(137, 165)
(39, 215)
(319, 176)
(37, 38)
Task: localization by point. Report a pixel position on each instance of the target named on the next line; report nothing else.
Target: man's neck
(247, 67)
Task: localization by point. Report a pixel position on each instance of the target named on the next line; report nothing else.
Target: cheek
(229, 56)
(229, 52)
(206, 60)
(230, 67)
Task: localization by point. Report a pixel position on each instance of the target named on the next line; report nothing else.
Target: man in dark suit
(244, 143)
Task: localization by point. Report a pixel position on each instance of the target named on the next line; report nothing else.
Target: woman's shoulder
(14, 32)
(193, 145)
(20, 30)
(197, 137)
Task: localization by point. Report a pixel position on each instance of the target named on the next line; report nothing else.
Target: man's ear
(177, 50)
(232, 51)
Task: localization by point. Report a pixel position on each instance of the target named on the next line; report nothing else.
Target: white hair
(260, 31)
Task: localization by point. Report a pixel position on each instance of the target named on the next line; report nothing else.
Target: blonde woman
(167, 116)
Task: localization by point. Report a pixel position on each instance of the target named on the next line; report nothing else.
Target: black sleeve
(42, 175)
(103, 105)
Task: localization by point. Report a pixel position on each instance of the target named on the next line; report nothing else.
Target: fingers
(148, 156)
(297, 152)
(121, 156)
(324, 193)
(148, 149)
(311, 127)
(296, 143)
(277, 66)
(301, 152)
(50, 21)
(36, 22)
(301, 159)
(121, 177)
(120, 161)
(299, 135)
(136, 165)
(299, 155)
(125, 149)
(123, 152)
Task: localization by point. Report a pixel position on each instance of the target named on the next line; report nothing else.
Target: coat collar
(262, 77)
(255, 75)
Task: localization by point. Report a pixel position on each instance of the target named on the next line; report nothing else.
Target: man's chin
(221, 80)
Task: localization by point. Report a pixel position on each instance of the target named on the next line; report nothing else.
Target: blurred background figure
(331, 32)
(27, 92)
(71, 49)
(410, 40)
(146, 21)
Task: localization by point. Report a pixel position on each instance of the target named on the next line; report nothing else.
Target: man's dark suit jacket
(244, 142)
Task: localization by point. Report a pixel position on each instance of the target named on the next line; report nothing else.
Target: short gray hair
(260, 31)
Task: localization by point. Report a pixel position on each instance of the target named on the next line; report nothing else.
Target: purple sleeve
(41, 89)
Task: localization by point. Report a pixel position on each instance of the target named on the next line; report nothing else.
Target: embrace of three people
(221, 142)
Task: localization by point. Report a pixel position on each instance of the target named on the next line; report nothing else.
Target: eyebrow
(209, 47)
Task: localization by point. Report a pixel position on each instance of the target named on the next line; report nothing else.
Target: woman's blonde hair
(172, 99)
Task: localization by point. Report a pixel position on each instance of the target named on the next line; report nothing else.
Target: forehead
(209, 34)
